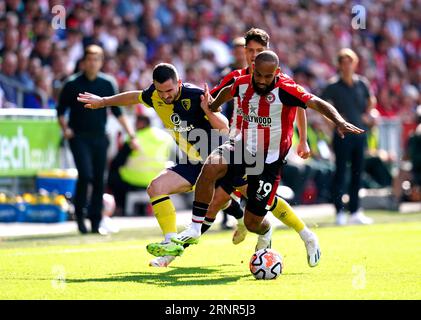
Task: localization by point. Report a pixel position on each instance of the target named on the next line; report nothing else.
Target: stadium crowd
(196, 36)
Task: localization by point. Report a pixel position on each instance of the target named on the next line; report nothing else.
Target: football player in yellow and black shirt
(195, 130)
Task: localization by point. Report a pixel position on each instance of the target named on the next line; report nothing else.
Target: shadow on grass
(174, 276)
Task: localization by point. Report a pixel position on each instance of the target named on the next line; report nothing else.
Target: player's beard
(261, 91)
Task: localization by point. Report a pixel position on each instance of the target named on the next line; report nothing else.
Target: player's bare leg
(213, 169)
(223, 201)
(261, 226)
(220, 200)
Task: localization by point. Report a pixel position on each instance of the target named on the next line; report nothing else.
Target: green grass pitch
(382, 261)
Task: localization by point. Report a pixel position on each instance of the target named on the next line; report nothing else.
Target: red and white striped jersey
(236, 120)
(268, 120)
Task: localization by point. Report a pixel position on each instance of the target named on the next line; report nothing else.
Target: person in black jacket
(350, 93)
(85, 131)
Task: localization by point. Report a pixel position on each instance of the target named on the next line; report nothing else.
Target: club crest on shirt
(186, 103)
(300, 89)
(270, 97)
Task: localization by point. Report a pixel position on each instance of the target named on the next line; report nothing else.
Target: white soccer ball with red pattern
(266, 264)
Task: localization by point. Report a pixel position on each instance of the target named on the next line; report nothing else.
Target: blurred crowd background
(196, 36)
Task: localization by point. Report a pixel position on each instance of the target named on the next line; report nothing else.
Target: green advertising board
(28, 145)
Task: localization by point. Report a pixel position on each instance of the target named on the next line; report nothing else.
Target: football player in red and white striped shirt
(255, 41)
(269, 101)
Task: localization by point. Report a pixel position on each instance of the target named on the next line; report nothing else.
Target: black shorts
(191, 172)
(188, 171)
(229, 184)
(262, 187)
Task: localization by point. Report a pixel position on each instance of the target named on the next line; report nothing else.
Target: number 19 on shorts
(264, 188)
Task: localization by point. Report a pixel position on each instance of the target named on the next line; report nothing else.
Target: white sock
(267, 235)
(197, 227)
(305, 234)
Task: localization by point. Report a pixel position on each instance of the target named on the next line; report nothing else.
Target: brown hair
(258, 35)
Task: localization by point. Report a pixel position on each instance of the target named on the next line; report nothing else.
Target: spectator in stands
(41, 97)
(154, 37)
(8, 80)
(74, 47)
(132, 169)
(389, 46)
(85, 131)
(2, 101)
(34, 67)
(10, 41)
(61, 71)
(22, 73)
(95, 38)
(129, 10)
(352, 97)
(43, 49)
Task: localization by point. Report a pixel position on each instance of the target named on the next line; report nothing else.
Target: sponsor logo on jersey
(180, 126)
(252, 117)
(252, 111)
(183, 129)
(175, 119)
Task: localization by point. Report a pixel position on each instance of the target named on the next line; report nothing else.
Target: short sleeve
(365, 83)
(226, 81)
(145, 96)
(295, 94)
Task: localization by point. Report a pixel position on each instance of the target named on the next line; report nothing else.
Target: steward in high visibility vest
(133, 170)
(145, 164)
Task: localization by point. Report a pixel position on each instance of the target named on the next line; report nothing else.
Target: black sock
(207, 224)
(199, 211)
(234, 210)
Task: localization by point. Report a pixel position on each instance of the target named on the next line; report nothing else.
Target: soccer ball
(266, 264)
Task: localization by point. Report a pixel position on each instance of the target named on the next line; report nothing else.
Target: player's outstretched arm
(303, 149)
(223, 96)
(93, 101)
(329, 111)
(217, 119)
